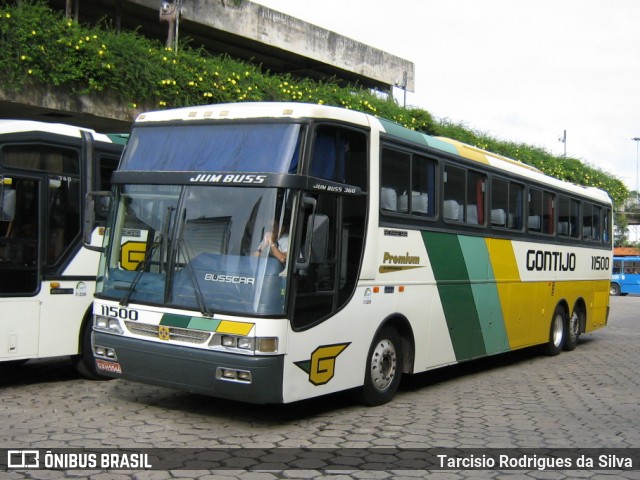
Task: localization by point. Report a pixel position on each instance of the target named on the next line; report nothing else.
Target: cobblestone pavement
(588, 398)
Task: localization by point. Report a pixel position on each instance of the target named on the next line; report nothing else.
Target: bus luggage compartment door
(19, 327)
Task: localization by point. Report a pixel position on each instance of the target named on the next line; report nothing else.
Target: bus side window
(394, 179)
(568, 217)
(468, 190)
(340, 155)
(591, 222)
(64, 218)
(19, 239)
(454, 192)
(606, 225)
(499, 202)
(541, 211)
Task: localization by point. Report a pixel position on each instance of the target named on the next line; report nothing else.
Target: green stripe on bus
(194, 323)
(172, 320)
(485, 293)
(458, 302)
(208, 324)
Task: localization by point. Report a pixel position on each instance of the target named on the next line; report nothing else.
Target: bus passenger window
(407, 183)
(516, 206)
(423, 187)
(606, 225)
(591, 222)
(19, 238)
(499, 202)
(394, 179)
(466, 189)
(541, 211)
(568, 217)
(476, 186)
(454, 193)
(506, 204)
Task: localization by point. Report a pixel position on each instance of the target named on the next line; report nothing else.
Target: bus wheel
(85, 363)
(383, 369)
(614, 289)
(573, 332)
(557, 332)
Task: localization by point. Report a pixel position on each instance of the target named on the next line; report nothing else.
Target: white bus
(47, 277)
(270, 253)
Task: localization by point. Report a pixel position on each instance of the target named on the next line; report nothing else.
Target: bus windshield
(270, 147)
(219, 249)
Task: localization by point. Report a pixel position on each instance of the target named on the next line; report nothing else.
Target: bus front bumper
(257, 379)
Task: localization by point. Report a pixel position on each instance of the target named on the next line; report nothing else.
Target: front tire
(614, 290)
(85, 362)
(557, 332)
(383, 368)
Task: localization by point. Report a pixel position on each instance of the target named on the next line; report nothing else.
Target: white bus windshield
(199, 248)
(268, 148)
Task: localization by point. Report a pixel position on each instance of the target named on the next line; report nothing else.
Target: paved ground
(588, 398)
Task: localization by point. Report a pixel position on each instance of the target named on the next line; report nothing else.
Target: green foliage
(40, 47)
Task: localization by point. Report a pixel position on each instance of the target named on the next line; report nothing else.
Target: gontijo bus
(47, 277)
(274, 252)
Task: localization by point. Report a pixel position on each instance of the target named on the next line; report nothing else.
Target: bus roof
(628, 259)
(305, 110)
(249, 110)
(19, 126)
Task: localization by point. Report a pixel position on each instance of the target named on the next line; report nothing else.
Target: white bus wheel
(383, 368)
(557, 332)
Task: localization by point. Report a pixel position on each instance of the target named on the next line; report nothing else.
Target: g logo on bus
(163, 333)
(322, 365)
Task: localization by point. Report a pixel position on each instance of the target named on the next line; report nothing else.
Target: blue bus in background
(625, 277)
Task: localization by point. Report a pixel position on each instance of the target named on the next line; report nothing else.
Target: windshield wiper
(161, 241)
(192, 276)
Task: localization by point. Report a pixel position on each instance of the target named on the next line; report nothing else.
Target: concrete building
(242, 29)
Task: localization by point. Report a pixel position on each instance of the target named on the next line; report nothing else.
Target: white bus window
(467, 189)
(568, 217)
(47, 158)
(506, 204)
(19, 240)
(591, 222)
(541, 211)
(394, 179)
(340, 155)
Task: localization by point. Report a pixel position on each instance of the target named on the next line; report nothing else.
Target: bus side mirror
(315, 242)
(96, 207)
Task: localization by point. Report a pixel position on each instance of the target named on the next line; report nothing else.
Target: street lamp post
(637, 140)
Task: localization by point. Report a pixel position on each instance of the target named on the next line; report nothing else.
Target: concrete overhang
(253, 32)
(278, 42)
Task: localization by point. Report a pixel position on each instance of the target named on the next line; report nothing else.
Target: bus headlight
(246, 344)
(107, 324)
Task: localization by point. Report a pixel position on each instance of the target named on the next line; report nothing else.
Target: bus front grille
(177, 334)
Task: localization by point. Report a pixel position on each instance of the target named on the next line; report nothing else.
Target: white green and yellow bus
(47, 275)
(274, 252)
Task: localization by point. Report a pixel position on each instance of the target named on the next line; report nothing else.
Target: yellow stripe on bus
(515, 296)
(234, 328)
